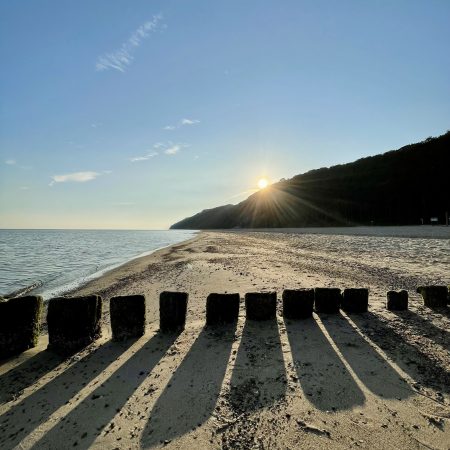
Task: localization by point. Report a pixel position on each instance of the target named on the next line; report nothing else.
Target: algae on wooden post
(298, 303)
(172, 310)
(73, 323)
(355, 300)
(434, 296)
(222, 308)
(127, 316)
(261, 305)
(397, 301)
(20, 324)
(327, 300)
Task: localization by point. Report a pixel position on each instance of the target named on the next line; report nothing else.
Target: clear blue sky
(135, 114)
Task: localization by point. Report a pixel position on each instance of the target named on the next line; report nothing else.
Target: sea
(51, 262)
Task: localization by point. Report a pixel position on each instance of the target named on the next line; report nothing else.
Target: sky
(135, 114)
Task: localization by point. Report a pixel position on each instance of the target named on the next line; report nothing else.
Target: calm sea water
(50, 262)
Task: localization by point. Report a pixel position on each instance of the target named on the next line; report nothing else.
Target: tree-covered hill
(400, 187)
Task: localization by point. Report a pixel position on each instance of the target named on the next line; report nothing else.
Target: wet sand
(378, 380)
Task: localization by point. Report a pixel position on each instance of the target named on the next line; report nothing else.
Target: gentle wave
(50, 262)
(25, 290)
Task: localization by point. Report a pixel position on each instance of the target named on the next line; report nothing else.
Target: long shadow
(13, 382)
(424, 326)
(409, 358)
(323, 377)
(259, 376)
(191, 394)
(443, 310)
(85, 423)
(27, 415)
(369, 366)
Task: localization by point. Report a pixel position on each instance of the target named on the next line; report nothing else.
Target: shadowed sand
(378, 380)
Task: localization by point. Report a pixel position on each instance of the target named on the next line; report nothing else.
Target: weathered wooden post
(20, 324)
(298, 303)
(261, 305)
(434, 296)
(172, 311)
(355, 300)
(397, 301)
(327, 300)
(127, 316)
(222, 308)
(73, 323)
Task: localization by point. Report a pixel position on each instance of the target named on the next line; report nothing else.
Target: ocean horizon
(50, 262)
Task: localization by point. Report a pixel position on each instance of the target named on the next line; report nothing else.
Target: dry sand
(379, 380)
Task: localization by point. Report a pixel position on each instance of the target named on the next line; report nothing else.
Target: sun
(263, 183)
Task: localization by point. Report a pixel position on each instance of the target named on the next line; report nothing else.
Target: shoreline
(108, 279)
(374, 380)
(39, 287)
(65, 290)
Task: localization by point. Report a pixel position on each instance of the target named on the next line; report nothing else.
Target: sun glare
(263, 183)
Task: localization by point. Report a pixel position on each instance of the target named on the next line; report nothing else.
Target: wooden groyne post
(222, 308)
(20, 324)
(73, 323)
(172, 311)
(298, 303)
(261, 305)
(127, 316)
(327, 300)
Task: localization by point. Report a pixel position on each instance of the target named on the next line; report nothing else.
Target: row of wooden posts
(75, 322)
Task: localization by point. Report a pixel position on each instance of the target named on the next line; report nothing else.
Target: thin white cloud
(121, 58)
(168, 148)
(145, 157)
(189, 121)
(13, 162)
(182, 123)
(77, 177)
(173, 150)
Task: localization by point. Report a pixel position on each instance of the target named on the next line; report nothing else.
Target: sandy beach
(378, 380)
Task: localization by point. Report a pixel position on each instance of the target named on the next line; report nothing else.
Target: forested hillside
(400, 187)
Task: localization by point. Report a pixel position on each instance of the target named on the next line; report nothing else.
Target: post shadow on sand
(82, 425)
(409, 358)
(422, 324)
(27, 415)
(259, 376)
(191, 394)
(13, 382)
(325, 380)
(369, 366)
